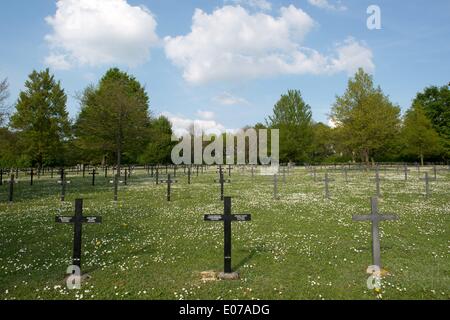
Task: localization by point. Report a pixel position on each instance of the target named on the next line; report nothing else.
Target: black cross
(222, 181)
(327, 188)
(377, 181)
(405, 170)
(31, 176)
(189, 175)
(169, 182)
(93, 173)
(227, 218)
(157, 175)
(1, 177)
(64, 184)
(229, 170)
(376, 218)
(78, 221)
(427, 180)
(11, 188)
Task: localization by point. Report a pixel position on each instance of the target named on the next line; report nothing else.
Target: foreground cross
(376, 218)
(78, 221)
(227, 219)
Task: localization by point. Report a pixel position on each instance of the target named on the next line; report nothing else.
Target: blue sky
(241, 56)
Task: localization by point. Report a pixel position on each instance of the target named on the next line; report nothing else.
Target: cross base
(84, 277)
(229, 276)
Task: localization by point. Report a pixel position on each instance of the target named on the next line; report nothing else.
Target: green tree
(436, 105)
(323, 142)
(365, 118)
(293, 117)
(159, 147)
(420, 138)
(41, 119)
(114, 118)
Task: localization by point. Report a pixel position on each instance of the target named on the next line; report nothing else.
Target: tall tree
(159, 147)
(365, 118)
(323, 142)
(114, 117)
(420, 138)
(436, 105)
(293, 117)
(4, 95)
(41, 119)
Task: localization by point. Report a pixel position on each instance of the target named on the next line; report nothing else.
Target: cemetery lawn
(301, 246)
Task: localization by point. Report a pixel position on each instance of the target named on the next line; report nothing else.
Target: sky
(223, 64)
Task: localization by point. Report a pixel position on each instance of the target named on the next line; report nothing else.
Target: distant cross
(405, 170)
(275, 187)
(175, 168)
(222, 181)
(427, 180)
(63, 182)
(376, 218)
(327, 187)
(435, 172)
(189, 174)
(169, 182)
(31, 176)
(125, 182)
(84, 170)
(345, 171)
(11, 188)
(229, 170)
(157, 175)
(93, 173)
(315, 174)
(106, 171)
(228, 218)
(197, 170)
(253, 171)
(1, 177)
(284, 174)
(78, 220)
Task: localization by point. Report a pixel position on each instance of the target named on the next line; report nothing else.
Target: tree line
(115, 125)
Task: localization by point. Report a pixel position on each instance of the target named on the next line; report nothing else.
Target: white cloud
(258, 4)
(325, 4)
(206, 115)
(231, 43)
(182, 126)
(228, 99)
(97, 32)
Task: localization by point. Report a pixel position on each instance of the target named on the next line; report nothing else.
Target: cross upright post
(93, 173)
(31, 176)
(78, 220)
(375, 217)
(222, 182)
(227, 219)
(11, 188)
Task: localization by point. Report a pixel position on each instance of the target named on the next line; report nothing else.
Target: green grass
(299, 247)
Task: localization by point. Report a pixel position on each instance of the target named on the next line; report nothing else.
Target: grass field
(301, 246)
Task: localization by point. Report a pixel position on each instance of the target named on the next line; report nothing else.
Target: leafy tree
(293, 117)
(4, 95)
(365, 118)
(159, 148)
(41, 119)
(420, 138)
(436, 105)
(323, 142)
(114, 117)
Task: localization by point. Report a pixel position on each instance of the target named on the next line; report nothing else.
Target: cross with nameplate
(169, 182)
(227, 219)
(376, 218)
(222, 182)
(93, 173)
(78, 220)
